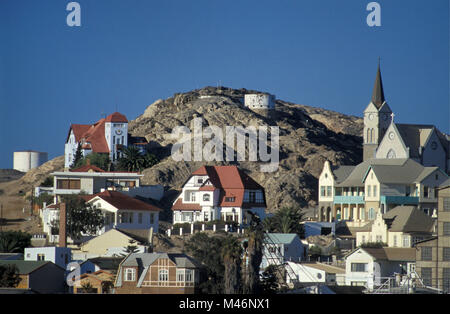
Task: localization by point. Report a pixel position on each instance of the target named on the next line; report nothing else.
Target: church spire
(378, 93)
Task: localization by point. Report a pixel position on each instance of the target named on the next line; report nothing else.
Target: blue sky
(129, 53)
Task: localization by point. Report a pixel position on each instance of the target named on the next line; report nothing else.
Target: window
(130, 274)
(426, 253)
(140, 218)
(67, 184)
(369, 190)
(189, 275)
(192, 196)
(446, 204)
(359, 267)
(180, 275)
(446, 228)
(200, 181)
(322, 191)
(446, 254)
(329, 191)
(163, 275)
(363, 239)
(375, 192)
(206, 197)
(425, 191)
(41, 257)
(446, 279)
(371, 214)
(379, 238)
(230, 199)
(426, 276)
(152, 218)
(405, 241)
(395, 240)
(126, 218)
(252, 197)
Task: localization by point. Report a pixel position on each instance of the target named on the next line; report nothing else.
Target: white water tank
(260, 101)
(29, 159)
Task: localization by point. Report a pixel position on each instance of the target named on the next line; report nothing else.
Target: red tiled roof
(228, 177)
(180, 206)
(230, 180)
(93, 136)
(116, 117)
(96, 137)
(88, 168)
(122, 201)
(79, 130)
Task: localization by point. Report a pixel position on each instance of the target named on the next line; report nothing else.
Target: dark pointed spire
(378, 93)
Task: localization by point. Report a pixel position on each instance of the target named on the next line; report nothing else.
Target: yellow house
(400, 227)
(114, 241)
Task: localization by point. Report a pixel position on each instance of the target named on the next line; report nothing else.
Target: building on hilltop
(107, 135)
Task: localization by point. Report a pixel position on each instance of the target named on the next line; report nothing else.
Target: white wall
(57, 255)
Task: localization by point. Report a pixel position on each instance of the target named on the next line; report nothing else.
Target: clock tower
(116, 134)
(377, 118)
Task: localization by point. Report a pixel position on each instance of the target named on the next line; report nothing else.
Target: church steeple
(378, 93)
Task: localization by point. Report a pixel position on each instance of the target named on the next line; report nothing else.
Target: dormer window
(200, 180)
(130, 274)
(206, 197)
(230, 199)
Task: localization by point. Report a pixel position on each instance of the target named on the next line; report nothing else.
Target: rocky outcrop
(308, 137)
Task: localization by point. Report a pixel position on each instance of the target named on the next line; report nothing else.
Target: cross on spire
(392, 117)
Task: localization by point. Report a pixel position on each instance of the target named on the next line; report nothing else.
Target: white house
(123, 211)
(60, 256)
(119, 209)
(315, 273)
(90, 179)
(279, 248)
(370, 266)
(219, 193)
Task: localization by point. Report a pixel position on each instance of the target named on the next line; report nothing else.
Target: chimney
(62, 225)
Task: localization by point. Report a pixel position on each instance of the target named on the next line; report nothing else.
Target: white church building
(403, 164)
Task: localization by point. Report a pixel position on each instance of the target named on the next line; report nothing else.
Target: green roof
(25, 267)
(281, 238)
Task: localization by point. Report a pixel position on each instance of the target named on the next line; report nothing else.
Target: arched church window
(391, 154)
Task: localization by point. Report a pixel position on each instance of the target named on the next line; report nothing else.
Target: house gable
(392, 145)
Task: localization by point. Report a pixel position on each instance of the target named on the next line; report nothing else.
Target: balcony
(403, 200)
(349, 199)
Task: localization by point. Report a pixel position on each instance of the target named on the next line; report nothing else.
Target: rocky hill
(34, 177)
(308, 137)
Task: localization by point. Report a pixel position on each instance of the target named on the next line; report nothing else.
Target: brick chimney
(62, 225)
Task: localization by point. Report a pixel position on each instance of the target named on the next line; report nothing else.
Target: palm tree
(285, 220)
(231, 252)
(132, 159)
